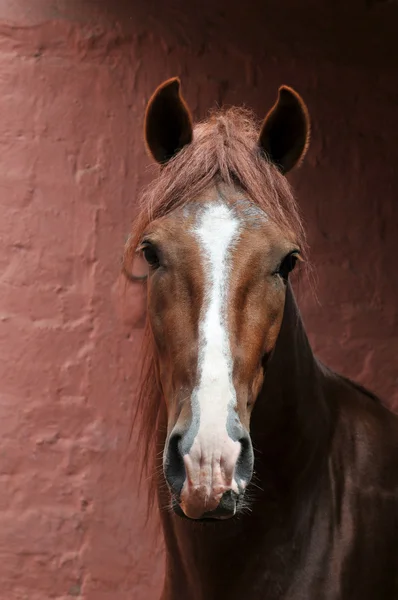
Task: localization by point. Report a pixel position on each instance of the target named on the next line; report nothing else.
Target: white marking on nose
(216, 231)
(211, 460)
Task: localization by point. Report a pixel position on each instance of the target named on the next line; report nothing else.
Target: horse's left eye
(287, 265)
(151, 256)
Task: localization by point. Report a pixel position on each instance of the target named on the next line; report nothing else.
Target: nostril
(245, 443)
(244, 466)
(174, 469)
(174, 443)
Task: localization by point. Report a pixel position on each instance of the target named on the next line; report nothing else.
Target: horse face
(216, 290)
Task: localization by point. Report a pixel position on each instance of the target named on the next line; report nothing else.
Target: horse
(275, 477)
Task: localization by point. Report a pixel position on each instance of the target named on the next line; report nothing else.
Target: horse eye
(287, 265)
(151, 256)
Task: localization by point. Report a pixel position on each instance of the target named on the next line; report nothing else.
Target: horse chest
(332, 564)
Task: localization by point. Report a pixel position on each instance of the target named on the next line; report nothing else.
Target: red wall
(74, 79)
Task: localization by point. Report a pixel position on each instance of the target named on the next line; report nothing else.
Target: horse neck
(292, 421)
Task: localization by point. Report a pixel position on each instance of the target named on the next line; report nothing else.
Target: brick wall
(74, 80)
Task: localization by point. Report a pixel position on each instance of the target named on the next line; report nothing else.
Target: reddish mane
(224, 149)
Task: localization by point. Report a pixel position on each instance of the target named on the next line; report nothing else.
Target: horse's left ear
(168, 123)
(285, 133)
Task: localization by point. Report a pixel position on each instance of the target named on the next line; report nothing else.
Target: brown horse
(276, 478)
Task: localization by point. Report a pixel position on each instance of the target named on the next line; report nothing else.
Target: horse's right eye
(151, 256)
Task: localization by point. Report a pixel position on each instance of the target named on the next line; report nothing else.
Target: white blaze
(210, 461)
(215, 393)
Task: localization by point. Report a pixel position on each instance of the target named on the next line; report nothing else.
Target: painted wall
(74, 80)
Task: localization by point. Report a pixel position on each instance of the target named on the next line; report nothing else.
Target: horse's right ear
(168, 122)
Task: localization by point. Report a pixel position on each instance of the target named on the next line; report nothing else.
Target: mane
(224, 149)
(360, 388)
(364, 391)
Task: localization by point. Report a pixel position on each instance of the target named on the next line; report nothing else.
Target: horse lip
(206, 517)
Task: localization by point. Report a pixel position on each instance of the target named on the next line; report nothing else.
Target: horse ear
(168, 122)
(285, 133)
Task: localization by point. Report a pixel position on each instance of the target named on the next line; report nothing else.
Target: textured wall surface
(74, 80)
